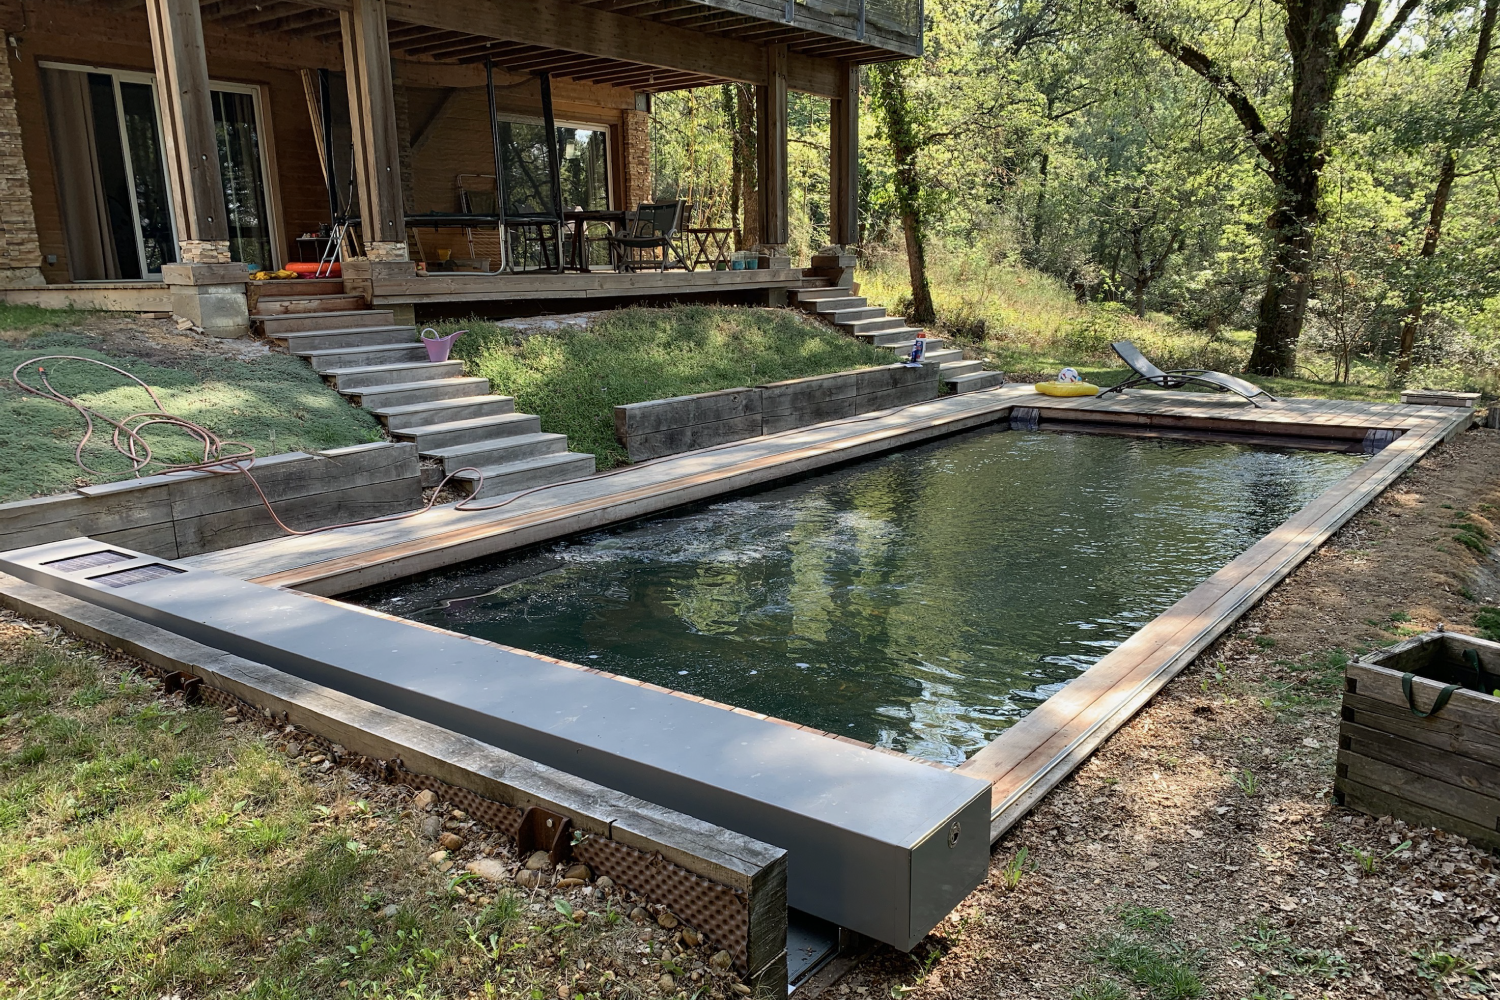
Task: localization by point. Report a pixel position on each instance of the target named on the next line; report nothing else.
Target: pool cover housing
(877, 843)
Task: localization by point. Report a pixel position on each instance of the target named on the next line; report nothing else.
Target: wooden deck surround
(1032, 756)
(438, 289)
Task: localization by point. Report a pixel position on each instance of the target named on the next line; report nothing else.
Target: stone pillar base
(385, 251)
(204, 251)
(210, 296)
(21, 277)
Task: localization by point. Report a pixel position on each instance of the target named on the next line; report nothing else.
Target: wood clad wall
(124, 42)
(459, 141)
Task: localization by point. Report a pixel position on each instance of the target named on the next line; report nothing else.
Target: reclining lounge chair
(1148, 374)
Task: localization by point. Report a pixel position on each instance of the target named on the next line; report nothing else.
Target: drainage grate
(88, 560)
(135, 574)
(1024, 418)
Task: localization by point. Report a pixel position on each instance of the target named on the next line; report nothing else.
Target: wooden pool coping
(1031, 757)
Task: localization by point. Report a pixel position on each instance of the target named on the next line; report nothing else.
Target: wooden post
(372, 117)
(188, 131)
(770, 122)
(843, 158)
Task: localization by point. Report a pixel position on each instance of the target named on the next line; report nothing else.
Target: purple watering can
(438, 347)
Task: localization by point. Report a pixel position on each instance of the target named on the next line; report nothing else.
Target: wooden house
(152, 151)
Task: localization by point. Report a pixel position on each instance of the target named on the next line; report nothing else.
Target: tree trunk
(1312, 35)
(1041, 200)
(1417, 300)
(890, 97)
(736, 162)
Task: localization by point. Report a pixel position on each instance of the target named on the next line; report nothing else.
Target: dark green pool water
(923, 600)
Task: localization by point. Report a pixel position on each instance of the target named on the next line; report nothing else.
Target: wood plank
(1451, 765)
(843, 159)
(594, 32)
(1476, 711)
(1448, 799)
(192, 154)
(1377, 802)
(372, 114)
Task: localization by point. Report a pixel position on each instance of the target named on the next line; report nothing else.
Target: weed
(1370, 861)
(1487, 622)
(1165, 972)
(1145, 920)
(1099, 989)
(1265, 642)
(1016, 868)
(1247, 782)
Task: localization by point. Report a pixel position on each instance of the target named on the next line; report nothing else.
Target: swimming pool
(923, 600)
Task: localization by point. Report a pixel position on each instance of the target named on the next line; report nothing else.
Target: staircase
(854, 315)
(380, 365)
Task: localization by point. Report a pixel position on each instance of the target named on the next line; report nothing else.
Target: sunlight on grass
(573, 379)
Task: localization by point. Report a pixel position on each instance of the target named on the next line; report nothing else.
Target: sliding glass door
(111, 173)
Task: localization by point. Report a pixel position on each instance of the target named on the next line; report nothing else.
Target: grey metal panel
(849, 818)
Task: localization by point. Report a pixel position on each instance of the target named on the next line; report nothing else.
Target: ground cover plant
(273, 402)
(573, 378)
(149, 849)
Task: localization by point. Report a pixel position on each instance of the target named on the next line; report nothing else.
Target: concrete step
(844, 316)
(974, 381)
(815, 293)
(902, 335)
(840, 303)
(499, 451)
(379, 397)
(904, 346)
(941, 355)
(880, 324)
(329, 358)
(336, 319)
(405, 415)
(949, 369)
(299, 341)
(515, 476)
(444, 435)
(308, 304)
(365, 376)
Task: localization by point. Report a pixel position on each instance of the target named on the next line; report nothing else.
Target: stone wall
(20, 251)
(635, 136)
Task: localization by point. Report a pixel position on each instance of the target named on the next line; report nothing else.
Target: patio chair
(1148, 374)
(654, 228)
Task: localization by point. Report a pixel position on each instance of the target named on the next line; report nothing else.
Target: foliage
(573, 380)
(274, 403)
(1059, 137)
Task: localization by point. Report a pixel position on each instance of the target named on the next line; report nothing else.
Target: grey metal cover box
(877, 843)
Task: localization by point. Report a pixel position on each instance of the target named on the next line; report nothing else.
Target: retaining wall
(684, 423)
(184, 513)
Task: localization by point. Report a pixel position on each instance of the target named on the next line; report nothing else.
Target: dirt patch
(1198, 853)
(146, 337)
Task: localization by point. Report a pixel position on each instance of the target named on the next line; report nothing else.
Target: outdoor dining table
(578, 219)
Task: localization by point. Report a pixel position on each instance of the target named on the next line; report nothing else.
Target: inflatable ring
(1067, 389)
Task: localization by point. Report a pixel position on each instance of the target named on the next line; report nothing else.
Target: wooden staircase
(382, 366)
(853, 314)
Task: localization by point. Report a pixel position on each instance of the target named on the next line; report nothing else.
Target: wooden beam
(843, 158)
(770, 148)
(187, 124)
(372, 116)
(595, 32)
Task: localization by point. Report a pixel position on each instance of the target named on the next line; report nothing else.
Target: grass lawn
(272, 402)
(148, 849)
(1029, 325)
(574, 379)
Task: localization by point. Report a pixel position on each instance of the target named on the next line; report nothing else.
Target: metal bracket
(789, 12)
(859, 27)
(541, 830)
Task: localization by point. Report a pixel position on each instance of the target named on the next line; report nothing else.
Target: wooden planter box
(1441, 770)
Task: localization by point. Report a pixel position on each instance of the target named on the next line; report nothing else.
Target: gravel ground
(1199, 852)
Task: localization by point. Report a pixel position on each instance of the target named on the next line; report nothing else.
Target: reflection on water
(923, 600)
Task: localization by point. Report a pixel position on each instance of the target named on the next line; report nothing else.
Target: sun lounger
(1148, 374)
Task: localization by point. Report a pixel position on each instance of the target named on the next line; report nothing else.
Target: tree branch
(1220, 79)
(1355, 50)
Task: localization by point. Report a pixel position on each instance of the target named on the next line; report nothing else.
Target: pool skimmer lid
(875, 842)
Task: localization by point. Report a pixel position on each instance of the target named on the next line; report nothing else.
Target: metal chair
(1149, 374)
(654, 228)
